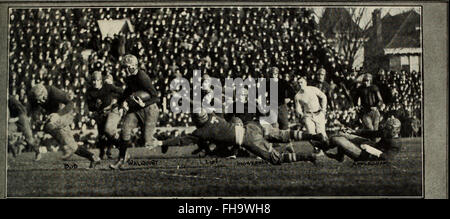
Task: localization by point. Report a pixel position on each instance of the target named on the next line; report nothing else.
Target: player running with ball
(143, 112)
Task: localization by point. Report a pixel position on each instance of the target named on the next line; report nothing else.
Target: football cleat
(164, 149)
(313, 158)
(109, 154)
(94, 162)
(117, 165)
(37, 156)
(232, 157)
(318, 152)
(14, 152)
(127, 157)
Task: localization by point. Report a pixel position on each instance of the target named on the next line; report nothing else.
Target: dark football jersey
(215, 129)
(370, 96)
(55, 98)
(97, 100)
(246, 116)
(389, 146)
(140, 82)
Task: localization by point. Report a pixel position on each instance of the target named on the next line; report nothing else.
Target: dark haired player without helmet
(370, 98)
(142, 99)
(58, 109)
(358, 147)
(285, 93)
(251, 136)
(101, 100)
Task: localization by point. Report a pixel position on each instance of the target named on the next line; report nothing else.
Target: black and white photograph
(215, 101)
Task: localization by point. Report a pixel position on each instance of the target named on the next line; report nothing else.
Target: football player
(285, 93)
(141, 97)
(102, 101)
(211, 128)
(370, 98)
(18, 121)
(358, 146)
(310, 106)
(57, 107)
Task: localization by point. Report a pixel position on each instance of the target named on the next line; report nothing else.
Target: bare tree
(354, 34)
(350, 30)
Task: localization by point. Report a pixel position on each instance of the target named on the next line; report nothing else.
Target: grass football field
(180, 174)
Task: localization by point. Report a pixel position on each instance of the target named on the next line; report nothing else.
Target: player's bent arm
(68, 108)
(117, 91)
(323, 99)
(62, 98)
(13, 119)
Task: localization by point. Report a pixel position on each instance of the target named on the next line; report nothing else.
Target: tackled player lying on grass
(251, 137)
(280, 140)
(358, 146)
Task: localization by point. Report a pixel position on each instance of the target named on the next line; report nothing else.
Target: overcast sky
(368, 14)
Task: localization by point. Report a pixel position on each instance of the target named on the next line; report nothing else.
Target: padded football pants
(146, 118)
(59, 128)
(107, 125)
(371, 119)
(23, 125)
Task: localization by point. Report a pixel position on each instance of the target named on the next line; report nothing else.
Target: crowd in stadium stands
(61, 47)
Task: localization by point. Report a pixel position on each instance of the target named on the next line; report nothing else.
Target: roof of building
(335, 20)
(400, 31)
(408, 33)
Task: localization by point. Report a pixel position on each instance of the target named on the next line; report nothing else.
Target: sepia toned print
(90, 102)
